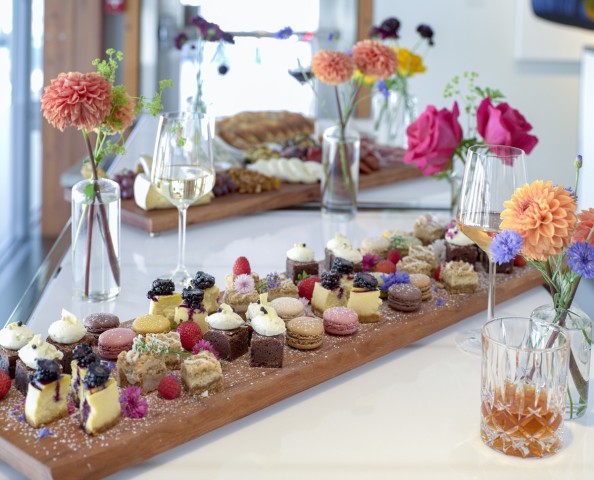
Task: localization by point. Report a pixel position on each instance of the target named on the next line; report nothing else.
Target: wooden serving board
(235, 204)
(70, 454)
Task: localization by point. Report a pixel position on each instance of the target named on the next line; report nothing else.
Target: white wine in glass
(183, 170)
(491, 175)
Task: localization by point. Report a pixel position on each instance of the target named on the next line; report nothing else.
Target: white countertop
(412, 414)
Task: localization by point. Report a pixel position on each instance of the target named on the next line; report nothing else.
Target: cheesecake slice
(365, 298)
(47, 394)
(164, 299)
(192, 308)
(328, 293)
(100, 403)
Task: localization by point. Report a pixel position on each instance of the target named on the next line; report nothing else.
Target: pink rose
(504, 125)
(433, 138)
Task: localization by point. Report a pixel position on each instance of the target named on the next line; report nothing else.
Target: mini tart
(46, 403)
(100, 408)
(366, 303)
(165, 305)
(322, 299)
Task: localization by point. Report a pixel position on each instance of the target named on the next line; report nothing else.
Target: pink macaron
(114, 341)
(341, 321)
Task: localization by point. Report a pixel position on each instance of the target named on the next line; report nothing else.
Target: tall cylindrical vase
(96, 212)
(579, 326)
(340, 175)
(392, 114)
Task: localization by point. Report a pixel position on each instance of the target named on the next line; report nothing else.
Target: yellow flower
(367, 80)
(409, 63)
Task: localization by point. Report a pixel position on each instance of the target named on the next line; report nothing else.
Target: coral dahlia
(584, 226)
(373, 58)
(333, 68)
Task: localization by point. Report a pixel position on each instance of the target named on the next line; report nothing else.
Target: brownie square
(8, 360)
(328, 259)
(506, 267)
(67, 349)
(229, 344)
(267, 351)
(464, 253)
(22, 374)
(294, 269)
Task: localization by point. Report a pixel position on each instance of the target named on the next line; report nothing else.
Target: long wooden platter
(235, 204)
(70, 454)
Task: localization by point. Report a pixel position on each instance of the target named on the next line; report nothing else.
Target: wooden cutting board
(70, 454)
(236, 204)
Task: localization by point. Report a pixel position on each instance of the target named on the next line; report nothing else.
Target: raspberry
(436, 273)
(169, 388)
(189, 334)
(394, 256)
(385, 266)
(306, 286)
(4, 384)
(519, 261)
(242, 267)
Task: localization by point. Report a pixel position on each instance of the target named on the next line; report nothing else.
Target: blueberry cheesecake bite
(100, 402)
(26, 364)
(346, 269)
(82, 357)
(300, 261)
(206, 283)
(47, 394)
(65, 334)
(163, 299)
(13, 337)
(192, 308)
(328, 293)
(365, 298)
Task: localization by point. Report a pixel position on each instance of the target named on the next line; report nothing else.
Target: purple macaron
(114, 341)
(341, 321)
(98, 323)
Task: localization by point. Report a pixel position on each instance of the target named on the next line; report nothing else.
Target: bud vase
(579, 327)
(340, 175)
(392, 114)
(96, 214)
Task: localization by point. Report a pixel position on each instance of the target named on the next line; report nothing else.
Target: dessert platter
(221, 349)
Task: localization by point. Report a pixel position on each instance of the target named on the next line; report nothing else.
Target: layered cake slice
(100, 403)
(459, 277)
(65, 334)
(47, 394)
(365, 298)
(201, 374)
(192, 309)
(206, 283)
(229, 334)
(328, 293)
(139, 368)
(13, 337)
(164, 299)
(300, 261)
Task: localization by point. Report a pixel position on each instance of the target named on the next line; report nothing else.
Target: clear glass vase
(96, 215)
(392, 114)
(579, 326)
(340, 176)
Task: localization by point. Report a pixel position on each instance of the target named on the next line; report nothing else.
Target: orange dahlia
(75, 99)
(333, 68)
(373, 58)
(545, 217)
(584, 226)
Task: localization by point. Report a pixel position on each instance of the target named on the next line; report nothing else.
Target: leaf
(89, 192)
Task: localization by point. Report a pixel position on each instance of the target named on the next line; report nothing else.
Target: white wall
(478, 35)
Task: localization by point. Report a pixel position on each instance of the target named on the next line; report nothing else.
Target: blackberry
(161, 286)
(87, 360)
(365, 280)
(330, 280)
(203, 281)
(192, 297)
(342, 266)
(81, 351)
(97, 375)
(223, 69)
(47, 371)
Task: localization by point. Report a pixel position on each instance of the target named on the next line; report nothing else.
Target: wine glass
(183, 170)
(491, 175)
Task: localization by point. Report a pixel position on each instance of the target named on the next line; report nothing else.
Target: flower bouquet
(91, 102)
(539, 223)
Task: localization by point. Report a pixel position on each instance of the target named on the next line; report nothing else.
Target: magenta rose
(504, 125)
(433, 138)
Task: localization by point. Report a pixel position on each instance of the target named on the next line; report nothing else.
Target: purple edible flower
(284, 33)
(440, 302)
(426, 32)
(211, 32)
(205, 345)
(369, 261)
(21, 417)
(133, 404)
(273, 280)
(180, 40)
(580, 258)
(382, 87)
(44, 432)
(393, 278)
(506, 245)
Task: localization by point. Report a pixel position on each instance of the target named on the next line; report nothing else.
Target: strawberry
(436, 273)
(4, 384)
(394, 256)
(519, 261)
(189, 334)
(169, 388)
(242, 266)
(385, 266)
(306, 286)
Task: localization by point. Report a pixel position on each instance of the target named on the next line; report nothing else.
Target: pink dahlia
(75, 99)
(333, 68)
(122, 114)
(373, 58)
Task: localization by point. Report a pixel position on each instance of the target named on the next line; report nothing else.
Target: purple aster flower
(284, 33)
(44, 432)
(205, 345)
(381, 86)
(133, 404)
(179, 40)
(580, 258)
(506, 245)
(369, 261)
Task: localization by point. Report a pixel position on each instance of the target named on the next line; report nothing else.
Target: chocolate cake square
(67, 350)
(267, 351)
(8, 360)
(464, 253)
(22, 374)
(230, 344)
(507, 267)
(294, 269)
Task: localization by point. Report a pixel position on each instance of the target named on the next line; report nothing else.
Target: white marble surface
(412, 414)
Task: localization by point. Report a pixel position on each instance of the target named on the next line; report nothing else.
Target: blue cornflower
(440, 302)
(506, 245)
(381, 86)
(393, 278)
(284, 33)
(44, 432)
(571, 192)
(580, 257)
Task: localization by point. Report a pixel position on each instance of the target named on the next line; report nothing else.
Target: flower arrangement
(90, 102)
(206, 32)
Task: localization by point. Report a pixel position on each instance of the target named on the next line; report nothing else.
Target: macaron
(97, 323)
(305, 333)
(151, 323)
(404, 297)
(288, 307)
(114, 341)
(340, 320)
(423, 283)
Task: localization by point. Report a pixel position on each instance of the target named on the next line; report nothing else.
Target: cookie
(305, 333)
(404, 297)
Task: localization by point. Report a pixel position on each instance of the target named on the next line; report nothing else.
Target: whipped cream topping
(224, 319)
(268, 323)
(37, 348)
(15, 336)
(375, 244)
(338, 241)
(456, 237)
(292, 170)
(68, 329)
(300, 253)
(348, 253)
(254, 308)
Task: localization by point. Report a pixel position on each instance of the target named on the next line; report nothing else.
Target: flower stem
(89, 245)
